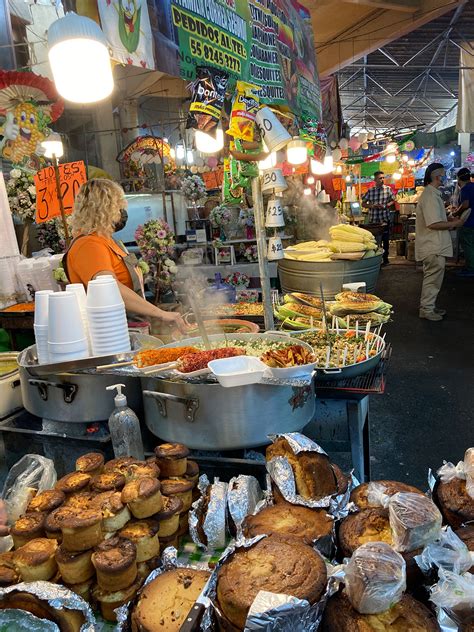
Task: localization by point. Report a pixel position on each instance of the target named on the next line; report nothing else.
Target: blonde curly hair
(97, 207)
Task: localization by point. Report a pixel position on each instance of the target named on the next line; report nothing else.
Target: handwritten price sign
(71, 176)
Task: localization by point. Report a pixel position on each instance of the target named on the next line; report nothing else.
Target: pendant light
(268, 162)
(79, 59)
(53, 146)
(180, 151)
(189, 156)
(397, 175)
(390, 158)
(209, 144)
(296, 151)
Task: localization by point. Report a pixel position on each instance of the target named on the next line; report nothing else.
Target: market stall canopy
(146, 150)
(132, 82)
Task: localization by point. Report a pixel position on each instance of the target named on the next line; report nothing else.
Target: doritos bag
(208, 98)
(244, 109)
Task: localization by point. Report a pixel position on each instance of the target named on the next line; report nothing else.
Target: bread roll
(143, 497)
(171, 458)
(36, 560)
(115, 561)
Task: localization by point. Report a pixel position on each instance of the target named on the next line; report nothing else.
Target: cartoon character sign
(28, 104)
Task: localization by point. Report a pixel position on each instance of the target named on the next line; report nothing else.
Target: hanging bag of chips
(208, 94)
(244, 110)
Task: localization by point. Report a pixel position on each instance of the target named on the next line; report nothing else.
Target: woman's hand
(175, 320)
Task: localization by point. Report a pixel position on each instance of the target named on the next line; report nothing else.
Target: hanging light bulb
(339, 169)
(397, 175)
(53, 146)
(189, 156)
(208, 144)
(296, 152)
(79, 59)
(166, 140)
(310, 180)
(307, 191)
(180, 151)
(323, 168)
(328, 162)
(405, 158)
(172, 153)
(392, 147)
(268, 162)
(411, 163)
(390, 158)
(317, 167)
(348, 178)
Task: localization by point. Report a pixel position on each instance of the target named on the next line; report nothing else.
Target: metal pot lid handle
(191, 404)
(69, 390)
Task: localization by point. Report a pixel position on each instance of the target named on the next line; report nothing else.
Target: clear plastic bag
(376, 495)
(33, 473)
(375, 578)
(448, 472)
(469, 471)
(449, 553)
(415, 521)
(455, 594)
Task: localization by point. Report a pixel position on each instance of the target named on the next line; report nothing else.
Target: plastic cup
(103, 294)
(56, 358)
(65, 318)
(79, 291)
(42, 307)
(111, 349)
(67, 347)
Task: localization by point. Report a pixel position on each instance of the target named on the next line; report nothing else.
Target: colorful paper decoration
(71, 176)
(28, 103)
(145, 150)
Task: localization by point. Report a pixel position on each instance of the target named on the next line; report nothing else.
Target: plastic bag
(208, 98)
(31, 474)
(449, 553)
(469, 471)
(245, 106)
(375, 578)
(455, 594)
(448, 472)
(414, 519)
(376, 495)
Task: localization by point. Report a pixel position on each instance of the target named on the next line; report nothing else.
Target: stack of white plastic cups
(67, 339)
(41, 325)
(79, 291)
(107, 318)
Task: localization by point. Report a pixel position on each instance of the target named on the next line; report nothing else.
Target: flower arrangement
(247, 218)
(237, 280)
(156, 242)
(193, 188)
(51, 235)
(21, 193)
(220, 216)
(249, 252)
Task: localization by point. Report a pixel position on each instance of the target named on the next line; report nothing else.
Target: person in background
(456, 197)
(379, 200)
(100, 209)
(466, 233)
(433, 242)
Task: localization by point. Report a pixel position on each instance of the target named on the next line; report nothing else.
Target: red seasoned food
(197, 361)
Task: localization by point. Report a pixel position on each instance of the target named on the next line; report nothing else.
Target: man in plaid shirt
(379, 200)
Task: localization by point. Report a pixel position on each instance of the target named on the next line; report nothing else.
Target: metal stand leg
(358, 421)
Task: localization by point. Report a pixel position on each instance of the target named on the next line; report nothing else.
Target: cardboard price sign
(71, 176)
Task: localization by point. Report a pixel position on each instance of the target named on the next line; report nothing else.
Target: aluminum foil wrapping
(299, 442)
(169, 561)
(197, 510)
(445, 622)
(243, 497)
(210, 511)
(57, 597)
(23, 621)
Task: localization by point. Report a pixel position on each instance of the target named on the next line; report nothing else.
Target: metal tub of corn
(350, 256)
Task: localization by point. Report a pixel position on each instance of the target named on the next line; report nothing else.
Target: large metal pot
(74, 398)
(306, 276)
(210, 417)
(206, 416)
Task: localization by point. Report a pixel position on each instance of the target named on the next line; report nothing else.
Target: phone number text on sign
(71, 176)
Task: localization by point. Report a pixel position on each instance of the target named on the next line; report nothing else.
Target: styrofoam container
(238, 371)
(41, 307)
(65, 319)
(108, 309)
(291, 371)
(102, 293)
(55, 358)
(67, 347)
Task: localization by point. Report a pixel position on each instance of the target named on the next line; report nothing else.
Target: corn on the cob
(355, 230)
(345, 246)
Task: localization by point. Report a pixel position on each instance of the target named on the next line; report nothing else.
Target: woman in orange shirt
(99, 211)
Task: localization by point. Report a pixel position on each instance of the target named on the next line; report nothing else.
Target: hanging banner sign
(71, 176)
(265, 42)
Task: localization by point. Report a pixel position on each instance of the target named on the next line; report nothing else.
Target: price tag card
(71, 176)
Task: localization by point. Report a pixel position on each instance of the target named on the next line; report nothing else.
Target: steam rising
(314, 219)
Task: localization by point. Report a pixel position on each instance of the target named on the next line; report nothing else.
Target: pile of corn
(345, 239)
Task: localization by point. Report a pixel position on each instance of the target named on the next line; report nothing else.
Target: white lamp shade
(53, 146)
(208, 144)
(322, 168)
(397, 175)
(273, 180)
(405, 158)
(79, 59)
(180, 151)
(391, 158)
(310, 180)
(307, 191)
(296, 152)
(274, 217)
(189, 156)
(275, 249)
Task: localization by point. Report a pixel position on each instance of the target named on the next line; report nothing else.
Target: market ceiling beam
(345, 32)
(405, 6)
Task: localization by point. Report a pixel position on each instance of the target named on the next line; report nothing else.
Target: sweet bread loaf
(192, 472)
(115, 514)
(91, 463)
(81, 528)
(415, 521)
(307, 524)
(115, 561)
(278, 564)
(144, 535)
(35, 560)
(75, 568)
(456, 505)
(359, 493)
(73, 482)
(46, 501)
(314, 475)
(166, 601)
(141, 470)
(408, 615)
(28, 527)
(169, 516)
(367, 525)
(110, 600)
(108, 481)
(143, 497)
(66, 620)
(171, 458)
(179, 488)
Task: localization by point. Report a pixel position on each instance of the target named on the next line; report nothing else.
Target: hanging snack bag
(242, 171)
(230, 195)
(208, 98)
(244, 109)
(313, 131)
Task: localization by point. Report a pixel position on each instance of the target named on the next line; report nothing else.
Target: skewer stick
(328, 355)
(367, 330)
(115, 364)
(152, 370)
(347, 321)
(379, 329)
(357, 328)
(344, 356)
(332, 321)
(355, 355)
(367, 350)
(311, 322)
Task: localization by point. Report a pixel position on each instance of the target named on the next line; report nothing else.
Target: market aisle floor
(427, 412)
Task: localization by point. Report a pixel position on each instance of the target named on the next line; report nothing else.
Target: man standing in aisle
(466, 233)
(379, 200)
(433, 242)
